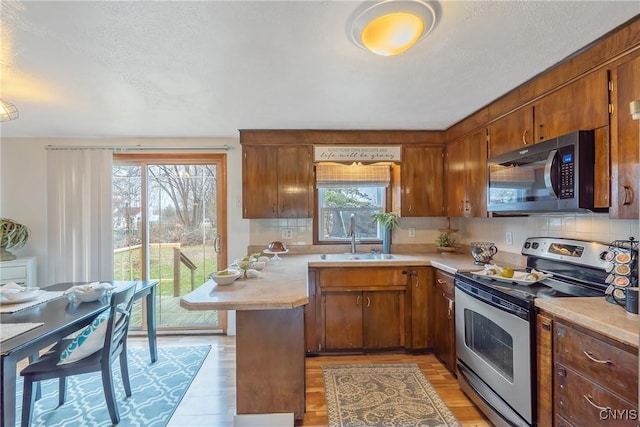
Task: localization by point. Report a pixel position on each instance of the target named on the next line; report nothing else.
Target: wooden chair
(115, 346)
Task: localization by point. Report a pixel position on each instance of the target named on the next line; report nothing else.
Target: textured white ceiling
(208, 68)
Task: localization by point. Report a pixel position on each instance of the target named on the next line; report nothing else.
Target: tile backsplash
(595, 227)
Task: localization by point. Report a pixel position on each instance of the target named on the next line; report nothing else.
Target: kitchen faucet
(352, 232)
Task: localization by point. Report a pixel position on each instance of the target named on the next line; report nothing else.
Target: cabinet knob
(562, 372)
(368, 302)
(546, 326)
(358, 300)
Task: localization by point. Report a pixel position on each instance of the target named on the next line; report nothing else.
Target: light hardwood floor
(211, 398)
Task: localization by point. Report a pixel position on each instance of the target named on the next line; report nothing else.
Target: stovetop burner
(579, 269)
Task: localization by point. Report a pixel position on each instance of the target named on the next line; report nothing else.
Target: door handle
(547, 174)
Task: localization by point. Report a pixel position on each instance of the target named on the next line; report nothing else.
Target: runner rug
(390, 395)
(157, 389)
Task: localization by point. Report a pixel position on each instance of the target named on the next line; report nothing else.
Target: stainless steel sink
(355, 257)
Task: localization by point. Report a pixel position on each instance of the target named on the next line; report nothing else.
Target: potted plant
(13, 235)
(445, 242)
(387, 221)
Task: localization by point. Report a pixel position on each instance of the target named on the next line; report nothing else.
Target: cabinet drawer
(445, 282)
(13, 273)
(362, 278)
(584, 403)
(604, 363)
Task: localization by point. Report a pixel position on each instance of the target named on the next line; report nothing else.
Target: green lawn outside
(127, 267)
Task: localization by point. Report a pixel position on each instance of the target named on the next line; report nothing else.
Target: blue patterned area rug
(389, 395)
(157, 389)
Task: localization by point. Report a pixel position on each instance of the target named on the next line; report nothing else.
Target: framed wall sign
(322, 153)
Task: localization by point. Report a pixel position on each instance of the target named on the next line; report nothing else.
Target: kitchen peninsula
(270, 340)
(271, 309)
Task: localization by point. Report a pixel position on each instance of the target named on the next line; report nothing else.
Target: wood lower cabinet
(420, 325)
(444, 339)
(625, 138)
(584, 378)
(363, 320)
(368, 309)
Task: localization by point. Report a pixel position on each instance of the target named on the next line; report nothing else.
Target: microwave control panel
(567, 172)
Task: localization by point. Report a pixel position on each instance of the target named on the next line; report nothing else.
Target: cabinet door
(295, 182)
(383, 319)
(422, 181)
(544, 350)
(625, 160)
(343, 320)
(511, 132)
(475, 201)
(455, 186)
(581, 105)
(420, 280)
(259, 182)
(444, 344)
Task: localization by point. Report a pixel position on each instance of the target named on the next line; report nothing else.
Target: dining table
(50, 321)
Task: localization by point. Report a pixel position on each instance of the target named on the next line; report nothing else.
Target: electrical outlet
(509, 238)
(286, 234)
(412, 232)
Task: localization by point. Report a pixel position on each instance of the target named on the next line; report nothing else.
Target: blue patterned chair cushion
(90, 340)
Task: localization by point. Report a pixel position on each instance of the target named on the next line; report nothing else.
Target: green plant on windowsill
(387, 221)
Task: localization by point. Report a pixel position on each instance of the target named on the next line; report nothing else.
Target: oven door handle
(548, 182)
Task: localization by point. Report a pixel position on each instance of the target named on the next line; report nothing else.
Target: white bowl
(225, 279)
(23, 294)
(258, 265)
(89, 296)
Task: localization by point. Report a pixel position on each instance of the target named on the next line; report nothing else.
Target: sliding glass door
(169, 224)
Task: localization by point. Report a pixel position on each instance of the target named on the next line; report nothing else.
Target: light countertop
(283, 284)
(596, 314)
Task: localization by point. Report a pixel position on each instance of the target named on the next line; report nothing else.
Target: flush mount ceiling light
(8, 111)
(391, 27)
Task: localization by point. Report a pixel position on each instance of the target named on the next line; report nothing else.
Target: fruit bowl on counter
(225, 277)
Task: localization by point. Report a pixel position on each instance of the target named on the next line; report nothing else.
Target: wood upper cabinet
(625, 139)
(277, 181)
(422, 178)
(419, 330)
(467, 176)
(581, 105)
(443, 300)
(511, 132)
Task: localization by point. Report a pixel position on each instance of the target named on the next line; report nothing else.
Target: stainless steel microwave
(552, 176)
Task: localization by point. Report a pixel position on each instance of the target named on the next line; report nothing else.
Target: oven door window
(490, 342)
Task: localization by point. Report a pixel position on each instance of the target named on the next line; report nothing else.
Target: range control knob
(527, 245)
(535, 245)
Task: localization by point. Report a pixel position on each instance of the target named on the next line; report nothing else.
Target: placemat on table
(10, 330)
(43, 297)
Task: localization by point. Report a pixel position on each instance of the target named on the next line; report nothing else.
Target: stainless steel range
(495, 323)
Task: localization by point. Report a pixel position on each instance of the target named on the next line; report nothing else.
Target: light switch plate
(412, 232)
(286, 234)
(509, 238)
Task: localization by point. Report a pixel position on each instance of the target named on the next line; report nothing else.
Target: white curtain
(79, 224)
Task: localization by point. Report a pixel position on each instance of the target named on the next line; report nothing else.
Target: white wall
(23, 172)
